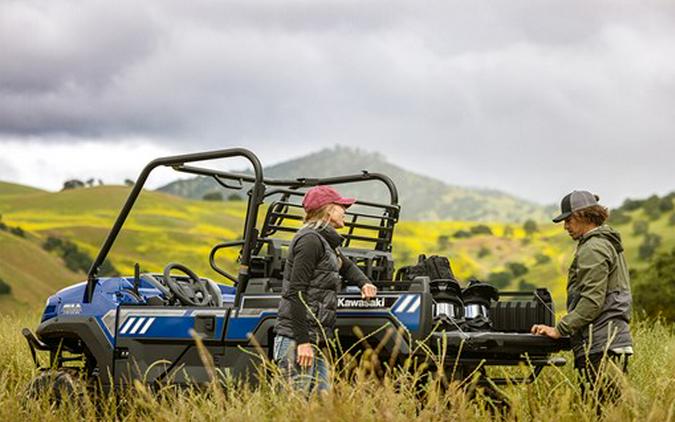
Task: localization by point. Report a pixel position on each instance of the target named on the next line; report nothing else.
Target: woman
(312, 278)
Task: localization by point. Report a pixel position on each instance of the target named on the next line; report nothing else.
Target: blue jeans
(303, 379)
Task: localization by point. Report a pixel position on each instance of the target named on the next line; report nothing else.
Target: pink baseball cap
(318, 196)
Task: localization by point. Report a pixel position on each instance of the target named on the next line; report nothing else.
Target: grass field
(649, 393)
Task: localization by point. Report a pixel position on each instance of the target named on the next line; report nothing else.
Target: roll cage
(282, 216)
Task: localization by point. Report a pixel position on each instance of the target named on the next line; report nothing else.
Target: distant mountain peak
(421, 197)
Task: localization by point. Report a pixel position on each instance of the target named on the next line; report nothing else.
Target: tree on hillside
(618, 217)
(481, 229)
(5, 288)
(654, 288)
(649, 245)
(530, 227)
(640, 227)
(651, 207)
(462, 234)
(666, 204)
(523, 285)
(129, 182)
(213, 196)
(631, 204)
(72, 184)
(499, 279)
(516, 268)
(234, 197)
(90, 182)
(483, 252)
(17, 231)
(542, 258)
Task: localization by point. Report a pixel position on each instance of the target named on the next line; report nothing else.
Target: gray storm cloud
(477, 92)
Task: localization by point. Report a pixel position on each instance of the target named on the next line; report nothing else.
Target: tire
(58, 385)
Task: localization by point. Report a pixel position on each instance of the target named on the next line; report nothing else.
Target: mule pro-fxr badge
(358, 303)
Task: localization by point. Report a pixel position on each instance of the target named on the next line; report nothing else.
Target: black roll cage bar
(256, 194)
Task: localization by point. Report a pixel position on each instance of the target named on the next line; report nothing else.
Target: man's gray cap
(575, 201)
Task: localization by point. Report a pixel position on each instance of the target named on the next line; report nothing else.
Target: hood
(608, 233)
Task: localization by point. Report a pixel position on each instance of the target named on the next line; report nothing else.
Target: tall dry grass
(649, 393)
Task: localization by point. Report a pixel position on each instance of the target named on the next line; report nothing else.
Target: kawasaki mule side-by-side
(117, 329)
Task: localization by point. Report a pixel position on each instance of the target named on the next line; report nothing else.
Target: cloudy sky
(534, 98)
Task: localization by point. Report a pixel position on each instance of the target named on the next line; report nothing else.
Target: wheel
(58, 385)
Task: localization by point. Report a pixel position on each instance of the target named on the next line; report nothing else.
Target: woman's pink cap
(318, 196)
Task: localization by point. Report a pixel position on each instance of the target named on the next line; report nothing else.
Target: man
(598, 294)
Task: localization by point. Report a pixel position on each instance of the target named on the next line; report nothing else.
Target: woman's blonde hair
(318, 219)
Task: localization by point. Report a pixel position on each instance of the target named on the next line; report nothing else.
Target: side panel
(158, 345)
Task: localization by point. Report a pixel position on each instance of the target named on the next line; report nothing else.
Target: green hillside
(165, 228)
(32, 273)
(161, 229)
(7, 188)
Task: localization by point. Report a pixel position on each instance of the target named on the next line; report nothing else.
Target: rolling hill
(421, 197)
(165, 228)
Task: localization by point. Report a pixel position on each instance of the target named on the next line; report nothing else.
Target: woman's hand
(545, 330)
(305, 354)
(368, 291)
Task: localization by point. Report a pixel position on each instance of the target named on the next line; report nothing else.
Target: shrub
(17, 231)
(651, 207)
(234, 197)
(483, 252)
(459, 234)
(213, 196)
(530, 227)
(649, 245)
(516, 268)
(72, 184)
(5, 288)
(524, 285)
(481, 229)
(654, 288)
(52, 243)
(640, 227)
(666, 204)
(631, 204)
(618, 217)
(75, 259)
(499, 279)
(542, 258)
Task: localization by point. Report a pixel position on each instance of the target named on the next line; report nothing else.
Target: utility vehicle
(142, 327)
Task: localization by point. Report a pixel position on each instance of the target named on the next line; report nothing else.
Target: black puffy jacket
(319, 297)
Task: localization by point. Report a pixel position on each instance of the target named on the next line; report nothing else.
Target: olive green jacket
(598, 295)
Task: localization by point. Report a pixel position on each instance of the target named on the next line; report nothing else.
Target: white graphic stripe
(126, 327)
(405, 303)
(146, 326)
(415, 305)
(137, 326)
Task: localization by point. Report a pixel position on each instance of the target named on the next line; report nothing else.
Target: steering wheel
(188, 295)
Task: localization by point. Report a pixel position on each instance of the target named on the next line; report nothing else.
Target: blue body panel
(110, 294)
(140, 321)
